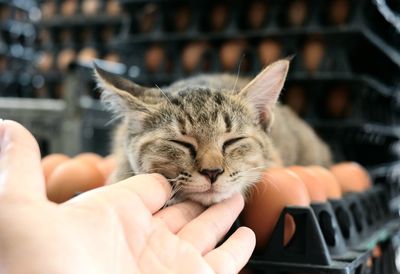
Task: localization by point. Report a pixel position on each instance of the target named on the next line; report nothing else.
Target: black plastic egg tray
(339, 236)
(346, 46)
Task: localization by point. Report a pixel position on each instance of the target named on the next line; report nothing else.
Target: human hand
(113, 229)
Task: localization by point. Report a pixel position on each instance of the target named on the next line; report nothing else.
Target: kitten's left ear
(263, 91)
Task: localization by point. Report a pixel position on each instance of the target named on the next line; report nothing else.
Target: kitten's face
(209, 144)
(205, 142)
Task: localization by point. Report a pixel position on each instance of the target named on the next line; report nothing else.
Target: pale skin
(120, 228)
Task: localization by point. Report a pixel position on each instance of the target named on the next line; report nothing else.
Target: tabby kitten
(212, 135)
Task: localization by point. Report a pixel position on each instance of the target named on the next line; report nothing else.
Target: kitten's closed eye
(187, 145)
(230, 142)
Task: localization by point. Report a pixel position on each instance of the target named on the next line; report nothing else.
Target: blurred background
(344, 79)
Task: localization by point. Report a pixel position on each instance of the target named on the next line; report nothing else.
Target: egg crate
(63, 37)
(334, 237)
(17, 51)
(83, 29)
(344, 46)
(369, 144)
(388, 176)
(333, 99)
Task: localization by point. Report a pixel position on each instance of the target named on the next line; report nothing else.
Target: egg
(65, 58)
(65, 37)
(191, 55)
(113, 7)
(154, 58)
(148, 17)
(107, 166)
(296, 99)
(351, 176)
(51, 161)
(297, 12)
(218, 16)
(269, 50)
(182, 18)
(230, 53)
(69, 7)
(316, 189)
(3, 64)
(277, 189)
(339, 12)
(45, 61)
(313, 54)
(48, 9)
(72, 177)
(108, 33)
(338, 102)
(87, 55)
(90, 157)
(332, 186)
(112, 57)
(90, 7)
(256, 14)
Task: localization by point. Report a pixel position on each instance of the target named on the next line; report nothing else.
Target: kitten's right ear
(119, 94)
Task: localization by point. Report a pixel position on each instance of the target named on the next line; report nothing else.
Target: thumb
(20, 169)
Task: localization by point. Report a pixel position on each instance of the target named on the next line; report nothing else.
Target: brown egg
(44, 37)
(148, 18)
(182, 18)
(113, 7)
(230, 54)
(45, 61)
(218, 17)
(154, 58)
(3, 63)
(107, 33)
(112, 57)
(338, 102)
(339, 12)
(297, 12)
(51, 161)
(278, 188)
(191, 55)
(377, 251)
(48, 9)
(332, 186)
(269, 51)
(89, 157)
(296, 99)
(107, 166)
(352, 177)
(72, 177)
(5, 12)
(87, 55)
(256, 14)
(69, 7)
(313, 53)
(65, 36)
(65, 58)
(86, 35)
(315, 188)
(90, 7)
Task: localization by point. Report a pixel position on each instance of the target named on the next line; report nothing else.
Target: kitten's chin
(210, 197)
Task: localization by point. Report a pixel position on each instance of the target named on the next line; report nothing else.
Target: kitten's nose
(212, 174)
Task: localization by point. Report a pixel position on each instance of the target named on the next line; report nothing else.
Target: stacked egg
(66, 177)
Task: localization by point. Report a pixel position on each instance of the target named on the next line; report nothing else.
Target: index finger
(20, 168)
(149, 191)
(205, 231)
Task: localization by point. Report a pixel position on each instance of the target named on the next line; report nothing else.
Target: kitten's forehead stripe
(228, 122)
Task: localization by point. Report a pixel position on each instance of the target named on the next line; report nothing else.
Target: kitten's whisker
(112, 120)
(163, 93)
(238, 72)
